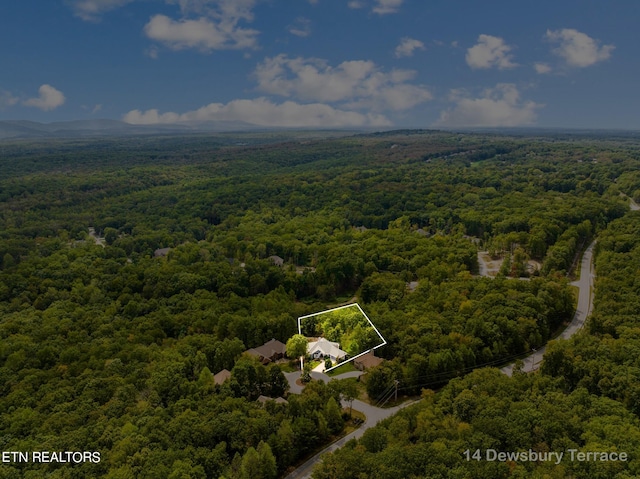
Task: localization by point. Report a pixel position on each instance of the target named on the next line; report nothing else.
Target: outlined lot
(340, 334)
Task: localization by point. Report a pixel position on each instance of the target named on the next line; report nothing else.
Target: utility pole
(397, 382)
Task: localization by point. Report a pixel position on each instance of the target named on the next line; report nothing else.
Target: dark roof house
(367, 361)
(269, 351)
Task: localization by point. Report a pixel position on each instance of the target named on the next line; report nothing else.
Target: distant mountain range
(92, 128)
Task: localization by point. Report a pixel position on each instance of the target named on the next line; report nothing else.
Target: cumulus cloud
(203, 34)
(542, 68)
(358, 83)
(7, 99)
(49, 98)
(301, 27)
(215, 28)
(408, 46)
(383, 7)
(91, 10)
(577, 48)
(263, 112)
(499, 106)
(490, 52)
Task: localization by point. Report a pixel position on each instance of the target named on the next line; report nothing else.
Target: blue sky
(323, 63)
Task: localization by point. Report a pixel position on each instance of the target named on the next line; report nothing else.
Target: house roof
(269, 349)
(277, 260)
(222, 376)
(326, 347)
(161, 252)
(264, 399)
(368, 360)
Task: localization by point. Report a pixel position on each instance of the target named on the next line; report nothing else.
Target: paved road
(295, 388)
(531, 363)
(374, 416)
(585, 304)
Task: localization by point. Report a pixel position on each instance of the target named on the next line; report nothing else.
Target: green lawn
(345, 368)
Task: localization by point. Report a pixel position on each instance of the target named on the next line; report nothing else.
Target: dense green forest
(203, 247)
(586, 398)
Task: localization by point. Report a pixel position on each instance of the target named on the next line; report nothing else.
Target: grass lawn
(290, 366)
(313, 363)
(357, 418)
(345, 368)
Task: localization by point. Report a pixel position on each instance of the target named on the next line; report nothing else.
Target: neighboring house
(278, 400)
(323, 348)
(367, 361)
(422, 232)
(222, 376)
(277, 260)
(160, 252)
(412, 285)
(269, 351)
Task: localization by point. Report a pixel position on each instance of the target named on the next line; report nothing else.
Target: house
(324, 348)
(160, 252)
(269, 351)
(412, 285)
(222, 376)
(278, 400)
(367, 361)
(277, 260)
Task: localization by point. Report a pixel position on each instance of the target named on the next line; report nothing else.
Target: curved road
(585, 304)
(531, 363)
(374, 416)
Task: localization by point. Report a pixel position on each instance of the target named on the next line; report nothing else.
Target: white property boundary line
(384, 341)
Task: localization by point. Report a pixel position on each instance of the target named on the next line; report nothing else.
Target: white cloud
(203, 34)
(490, 52)
(263, 112)
(542, 68)
(301, 27)
(577, 48)
(499, 106)
(7, 99)
(383, 7)
(408, 46)
(219, 9)
(356, 4)
(92, 9)
(49, 99)
(359, 83)
(216, 27)
(152, 52)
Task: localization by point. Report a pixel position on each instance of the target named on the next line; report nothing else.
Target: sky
(323, 63)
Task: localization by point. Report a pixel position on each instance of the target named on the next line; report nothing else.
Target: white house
(323, 347)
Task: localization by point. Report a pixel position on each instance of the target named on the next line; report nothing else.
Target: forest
(133, 270)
